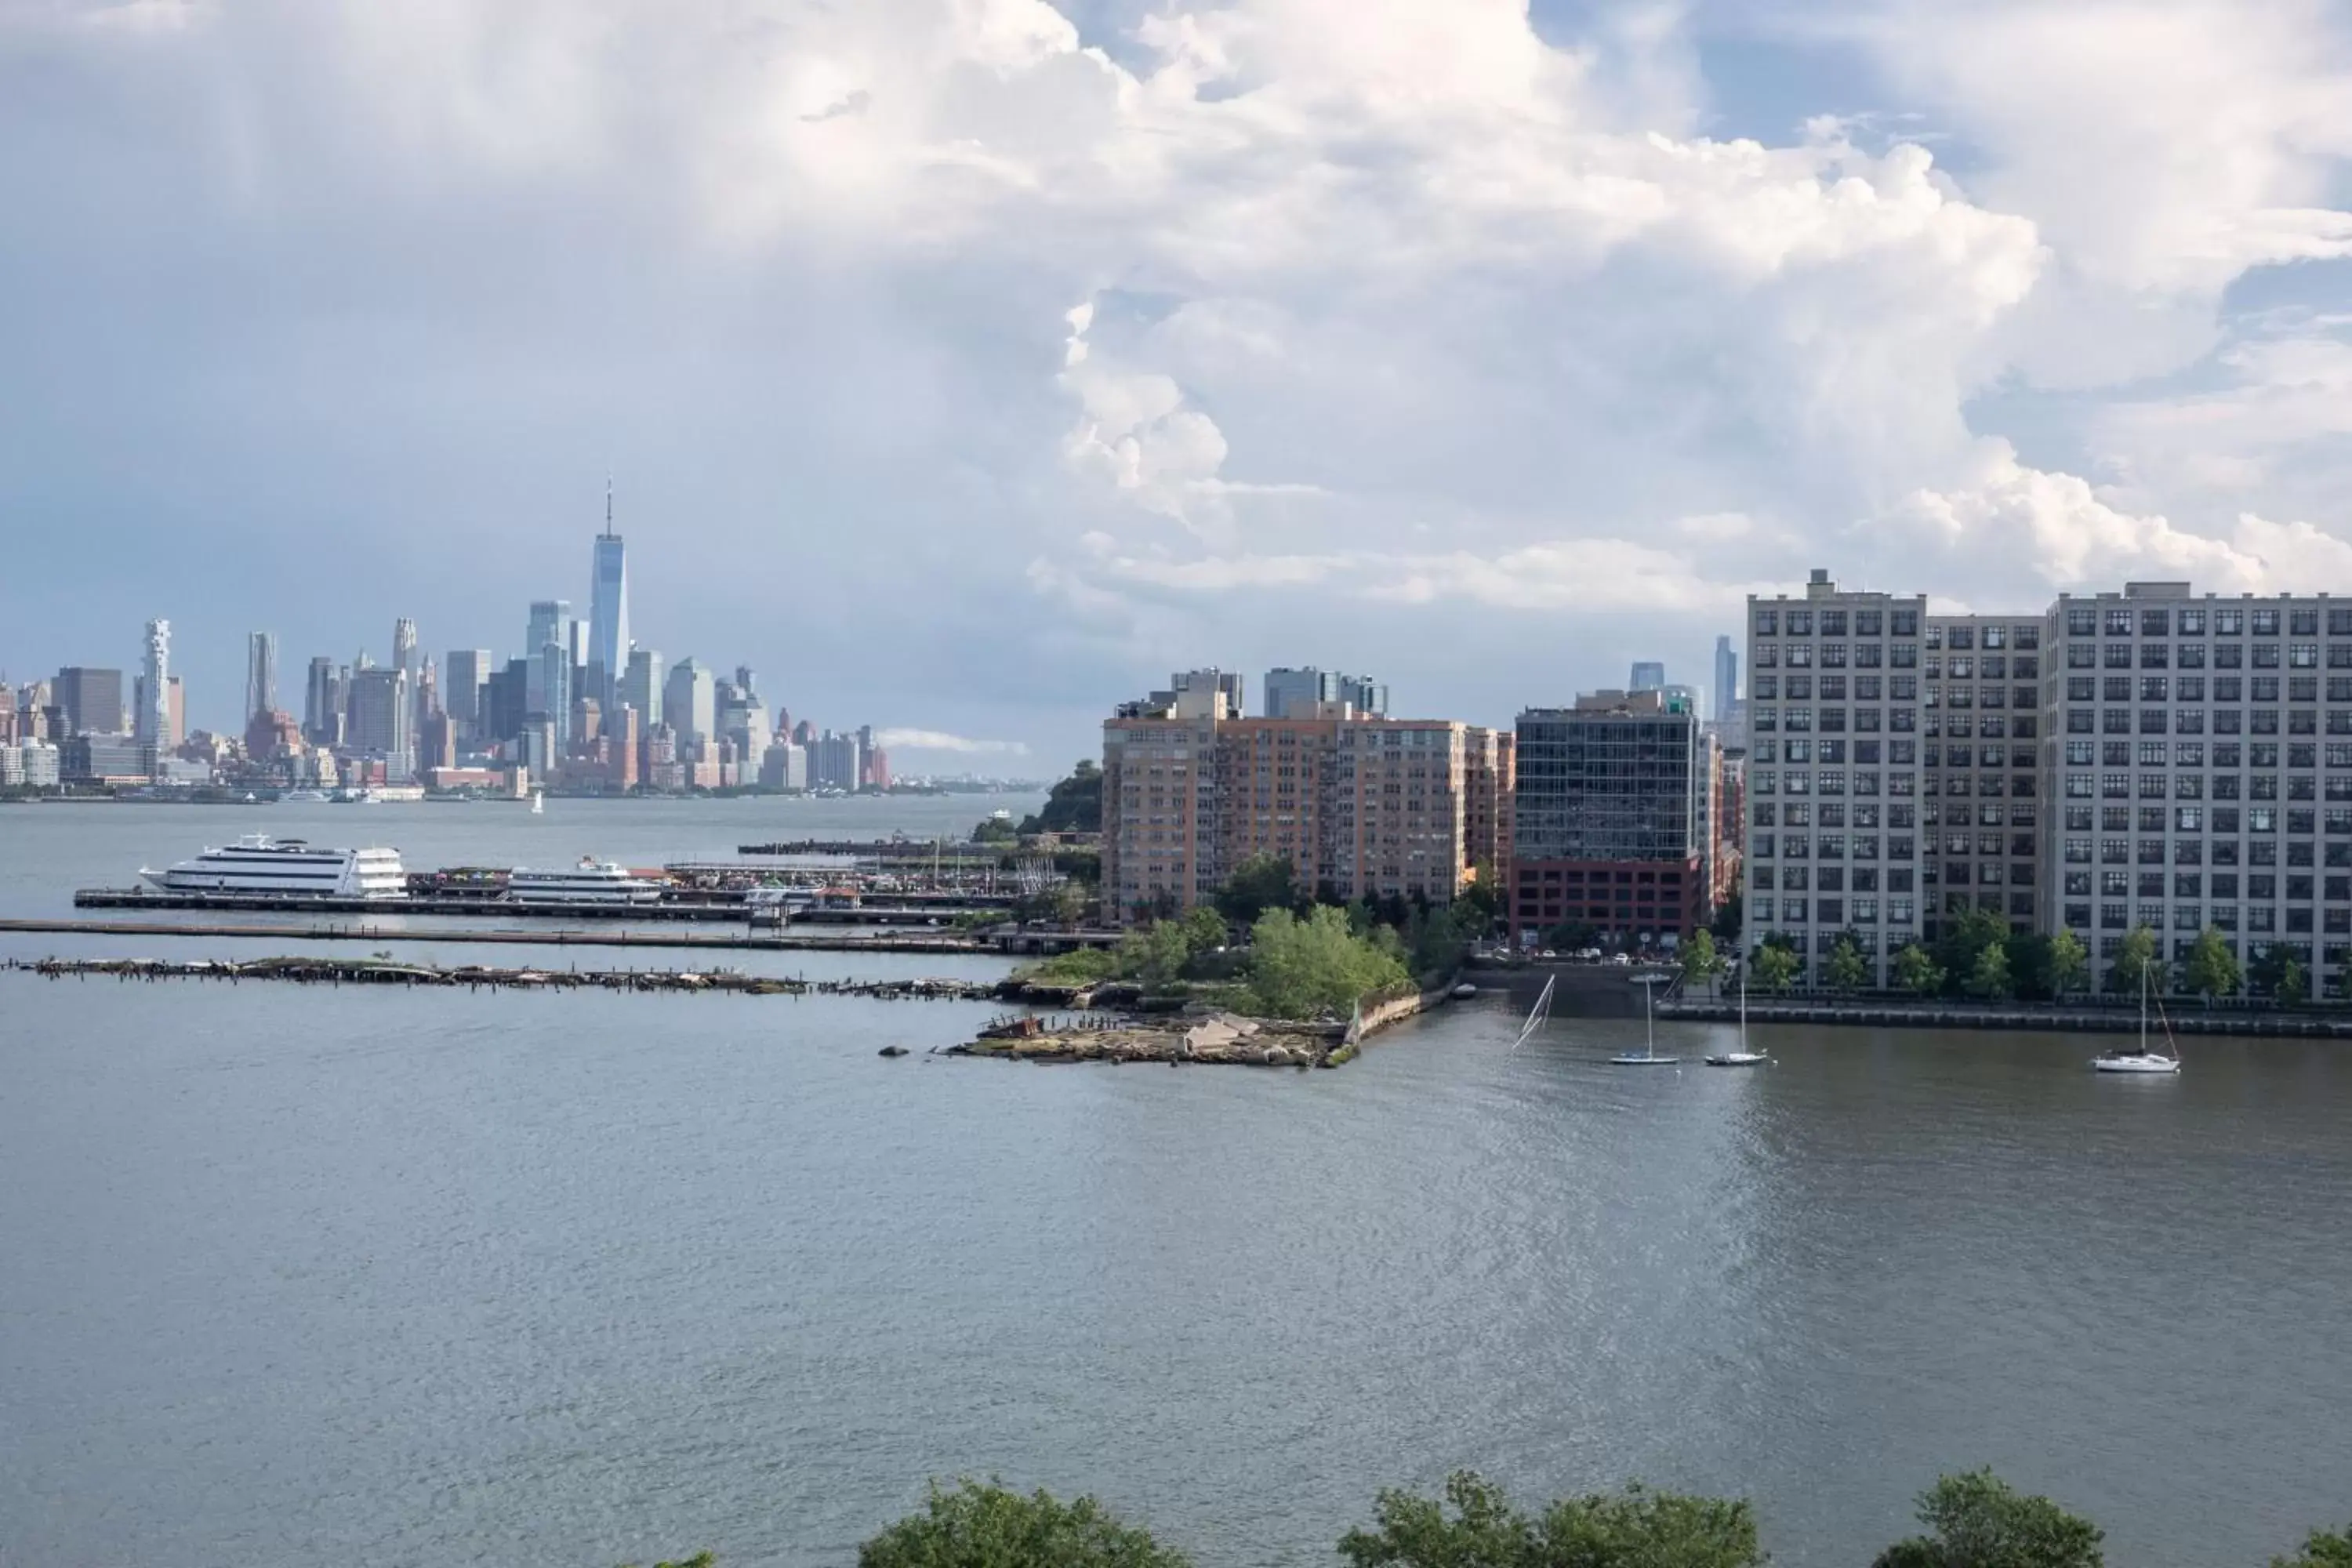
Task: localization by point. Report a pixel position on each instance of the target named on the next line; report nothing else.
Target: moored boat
(259, 866)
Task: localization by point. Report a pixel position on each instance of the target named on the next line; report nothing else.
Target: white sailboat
(2142, 1060)
(539, 803)
(1743, 1057)
(1649, 1057)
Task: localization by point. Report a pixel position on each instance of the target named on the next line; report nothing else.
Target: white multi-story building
(2200, 757)
(1835, 772)
(2143, 758)
(1981, 814)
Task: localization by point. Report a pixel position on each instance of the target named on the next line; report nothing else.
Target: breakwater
(938, 942)
(475, 977)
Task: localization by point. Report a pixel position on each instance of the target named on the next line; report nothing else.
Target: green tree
(993, 830)
(2134, 955)
(1844, 968)
(2321, 1549)
(1154, 955)
(1701, 962)
(1480, 904)
(2209, 968)
(1474, 1526)
(1990, 978)
(2293, 985)
(1976, 1521)
(1074, 805)
(2068, 958)
(1262, 882)
(2029, 964)
(1204, 930)
(1961, 946)
(1725, 924)
(1299, 968)
(977, 1526)
(1774, 966)
(1917, 973)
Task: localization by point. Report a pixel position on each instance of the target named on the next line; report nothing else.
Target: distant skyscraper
(321, 703)
(688, 706)
(90, 700)
(608, 608)
(555, 689)
(641, 687)
(1648, 676)
(381, 715)
(403, 647)
(1295, 692)
(465, 670)
(1288, 690)
(1726, 677)
(260, 673)
(551, 622)
(155, 726)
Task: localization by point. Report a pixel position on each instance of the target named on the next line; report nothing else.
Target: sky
(965, 366)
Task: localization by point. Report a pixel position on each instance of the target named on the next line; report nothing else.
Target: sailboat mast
(2143, 1009)
(1649, 1022)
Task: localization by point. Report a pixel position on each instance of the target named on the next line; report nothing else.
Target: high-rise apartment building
(1648, 676)
(1613, 818)
(465, 672)
(89, 702)
(1726, 677)
(1834, 778)
(1359, 805)
(608, 608)
(260, 673)
(154, 725)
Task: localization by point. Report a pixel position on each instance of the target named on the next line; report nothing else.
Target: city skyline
(1096, 425)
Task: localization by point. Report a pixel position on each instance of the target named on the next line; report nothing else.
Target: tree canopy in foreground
(977, 1526)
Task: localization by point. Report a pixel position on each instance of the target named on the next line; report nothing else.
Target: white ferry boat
(592, 882)
(259, 866)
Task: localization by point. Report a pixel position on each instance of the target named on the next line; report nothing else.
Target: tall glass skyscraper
(260, 673)
(608, 610)
(551, 622)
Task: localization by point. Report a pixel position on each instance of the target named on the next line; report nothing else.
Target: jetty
(476, 977)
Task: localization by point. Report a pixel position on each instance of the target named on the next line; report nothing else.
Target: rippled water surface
(373, 1278)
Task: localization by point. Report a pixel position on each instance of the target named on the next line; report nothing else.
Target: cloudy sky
(964, 365)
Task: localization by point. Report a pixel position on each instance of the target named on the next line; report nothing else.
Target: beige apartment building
(1361, 806)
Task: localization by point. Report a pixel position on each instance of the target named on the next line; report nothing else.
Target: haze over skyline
(966, 367)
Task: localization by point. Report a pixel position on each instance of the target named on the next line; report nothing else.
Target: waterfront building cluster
(581, 706)
(2141, 758)
(1618, 813)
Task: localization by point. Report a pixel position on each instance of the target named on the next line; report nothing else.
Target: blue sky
(965, 365)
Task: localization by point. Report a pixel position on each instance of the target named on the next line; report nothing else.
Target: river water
(381, 1278)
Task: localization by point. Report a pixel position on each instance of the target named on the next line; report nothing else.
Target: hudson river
(363, 1277)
